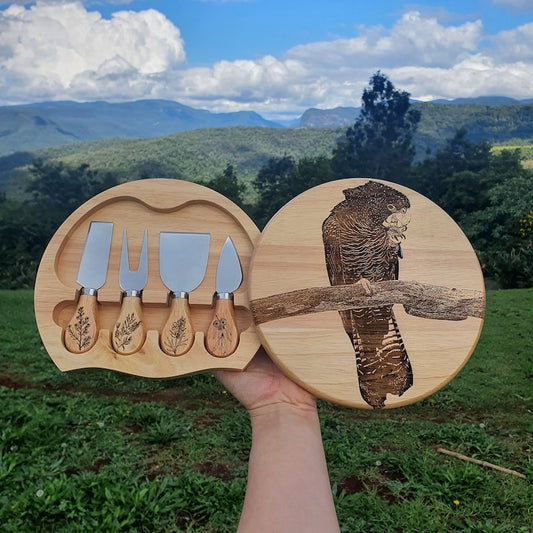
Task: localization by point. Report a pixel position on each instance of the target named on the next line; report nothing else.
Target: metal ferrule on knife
(223, 296)
(89, 292)
(133, 292)
(179, 294)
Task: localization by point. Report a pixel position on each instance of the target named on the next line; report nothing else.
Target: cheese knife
(182, 263)
(81, 332)
(222, 336)
(129, 332)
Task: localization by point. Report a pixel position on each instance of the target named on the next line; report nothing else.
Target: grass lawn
(97, 451)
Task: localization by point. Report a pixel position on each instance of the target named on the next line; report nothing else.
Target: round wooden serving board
(440, 281)
(154, 205)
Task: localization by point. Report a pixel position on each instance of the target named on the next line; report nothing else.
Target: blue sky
(277, 57)
(240, 29)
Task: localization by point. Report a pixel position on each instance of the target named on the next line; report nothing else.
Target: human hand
(263, 386)
(288, 488)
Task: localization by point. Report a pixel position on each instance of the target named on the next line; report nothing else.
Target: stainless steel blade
(183, 259)
(229, 270)
(92, 272)
(133, 280)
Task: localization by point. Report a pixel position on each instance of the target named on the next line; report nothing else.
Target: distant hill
(483, 100)
(329, 118)
(192, 155)
(345, 116)
(27, 128)
(34, 126)
(200, 150)
(495, 122)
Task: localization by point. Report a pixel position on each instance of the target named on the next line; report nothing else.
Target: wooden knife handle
(81, 332)
(128, 333)
(222, 336)
(177, 335)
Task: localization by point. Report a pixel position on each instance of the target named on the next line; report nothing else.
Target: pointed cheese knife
(129, 333)
(81, 332)
(222, 336)
(182, 264)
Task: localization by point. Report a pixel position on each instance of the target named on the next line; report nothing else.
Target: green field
(525, 147)
(97, 451)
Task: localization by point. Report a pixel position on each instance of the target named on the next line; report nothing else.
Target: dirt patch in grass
(10, 383)
(205, 420)
(95, 467)
(171, 396)
(207, 468)
(353, 484)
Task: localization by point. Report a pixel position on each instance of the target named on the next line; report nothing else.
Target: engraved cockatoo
(362, 238)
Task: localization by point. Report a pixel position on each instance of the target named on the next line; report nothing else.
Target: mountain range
(25, 128)
(33, 126)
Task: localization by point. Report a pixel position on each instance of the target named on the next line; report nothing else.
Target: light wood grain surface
(313, 348)
(154, 205)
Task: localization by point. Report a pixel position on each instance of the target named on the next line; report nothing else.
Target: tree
(228, 184)
(380, 143)
(62, 189)
(56, 191)
(502, 230)
(434, 176)
(490, 196)
(281, 179)
(273, 185)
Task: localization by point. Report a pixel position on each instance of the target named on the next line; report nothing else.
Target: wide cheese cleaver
(81, 332)
(222, 336)
(182, 264)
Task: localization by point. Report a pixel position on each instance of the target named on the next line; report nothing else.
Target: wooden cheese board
(135, 209)
(366, 293)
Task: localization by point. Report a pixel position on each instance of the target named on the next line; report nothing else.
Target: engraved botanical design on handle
(81, 333)
(124, 331)
(80, 329)
(362, 238)
(223, 337)
(177, 337)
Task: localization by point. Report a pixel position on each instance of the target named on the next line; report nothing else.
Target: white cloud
(413, 38)
(515, 45)
(54, 45)
(61, 50)
(477, 75)
(327, 74)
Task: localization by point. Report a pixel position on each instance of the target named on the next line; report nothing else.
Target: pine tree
(380, 143)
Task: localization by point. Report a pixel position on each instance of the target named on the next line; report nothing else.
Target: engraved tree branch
(125, 329)
(80, 329)
(177, 336)
(419, 299)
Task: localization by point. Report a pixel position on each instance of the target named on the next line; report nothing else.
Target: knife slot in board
(154, 314)
(152, 205)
